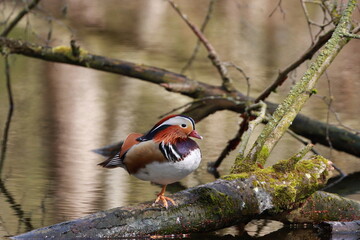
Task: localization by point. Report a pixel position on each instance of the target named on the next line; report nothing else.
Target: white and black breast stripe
(170, 152)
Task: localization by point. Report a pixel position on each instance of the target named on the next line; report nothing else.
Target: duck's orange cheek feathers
(170, 135)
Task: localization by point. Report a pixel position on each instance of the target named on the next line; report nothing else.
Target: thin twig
(281, 10)
(351, 35)
(294, 135)
(312, 23)
(356, 29)
(342, 176)
(301, 154)
(19, 212)
(200, 100)
(247, 79)
(337, 117)
(176, 109)
(202, 29)
(232, 144)
(51, 21)
(252, 124)
(307, 15)
(226, 80)
(283, 75)
(19, 17)
(9, 115)
(10, 13)
(328, 114)
(307, 20)
(278, 5)
(356, 131)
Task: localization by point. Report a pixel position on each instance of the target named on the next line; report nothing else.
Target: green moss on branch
(286, 183)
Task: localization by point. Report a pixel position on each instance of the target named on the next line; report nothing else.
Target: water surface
(62, 112)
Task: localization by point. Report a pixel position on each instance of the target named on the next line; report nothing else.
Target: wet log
(225, 202)
(349, 228)
(322, 206)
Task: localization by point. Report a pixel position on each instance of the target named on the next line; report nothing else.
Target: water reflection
(75, 95)
(63, 112)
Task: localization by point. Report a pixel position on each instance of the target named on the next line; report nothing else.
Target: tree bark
(322, 206)
(344, 229)
(223, 203)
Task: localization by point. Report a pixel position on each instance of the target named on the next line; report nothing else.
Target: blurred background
(49, 173)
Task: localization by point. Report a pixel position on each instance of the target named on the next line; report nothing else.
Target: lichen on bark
(289, 183)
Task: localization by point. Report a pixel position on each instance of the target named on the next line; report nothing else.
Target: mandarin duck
(164, 155)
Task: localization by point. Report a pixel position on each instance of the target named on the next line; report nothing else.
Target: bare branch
(21, 14)
(9, 115)
(311, 22)
(328, 113)
(278, 6)
(197, 47)
(336, 115)
(307, 16)
(227, 81)
(283, 75)
(231, 145)
(201, 100)
(356, 29)
(247, 79)
(351, 35)
(16, 207)
(251, 127)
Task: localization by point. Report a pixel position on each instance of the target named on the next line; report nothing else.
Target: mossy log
(346, 230)
(322, 206)
(225, 202)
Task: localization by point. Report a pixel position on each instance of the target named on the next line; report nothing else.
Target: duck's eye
(183, 125)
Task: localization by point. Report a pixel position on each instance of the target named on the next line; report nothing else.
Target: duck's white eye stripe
(174, 121)
(177, 120)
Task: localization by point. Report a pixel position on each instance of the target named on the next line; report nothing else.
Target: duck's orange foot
(163, 200)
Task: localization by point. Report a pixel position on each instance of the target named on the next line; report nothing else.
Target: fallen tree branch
(64, 54)
(204, 208)
(322, 206)
(348, 230)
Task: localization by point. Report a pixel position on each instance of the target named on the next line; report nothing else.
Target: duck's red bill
(195, 134)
